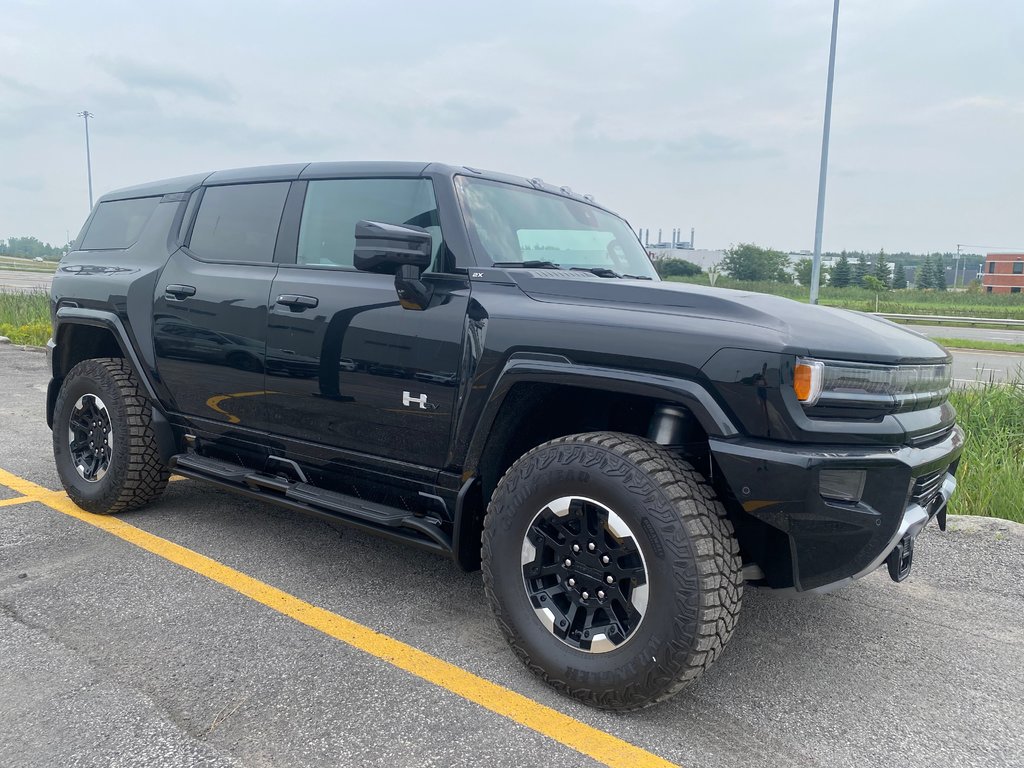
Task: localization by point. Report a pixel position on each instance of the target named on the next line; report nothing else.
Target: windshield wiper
(605, 272)
(528, 264)
(536, 264)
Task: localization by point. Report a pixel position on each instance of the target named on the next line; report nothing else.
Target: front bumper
(834, 542)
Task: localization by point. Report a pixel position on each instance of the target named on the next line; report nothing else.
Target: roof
(326, 170)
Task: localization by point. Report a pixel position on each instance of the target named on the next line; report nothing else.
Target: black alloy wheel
(585, 574)
(90, 438)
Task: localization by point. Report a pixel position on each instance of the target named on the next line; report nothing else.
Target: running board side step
(382, 519)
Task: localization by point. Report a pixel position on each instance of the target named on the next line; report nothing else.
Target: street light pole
(85, 115)
(820, 220)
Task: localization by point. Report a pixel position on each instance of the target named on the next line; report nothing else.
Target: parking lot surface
(210, 630)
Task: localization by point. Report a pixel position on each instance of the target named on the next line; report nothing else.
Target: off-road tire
(688, 544)
(136, 475)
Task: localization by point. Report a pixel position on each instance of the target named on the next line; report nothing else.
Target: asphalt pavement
(1005, 335)
(115, 653)
(16, 280)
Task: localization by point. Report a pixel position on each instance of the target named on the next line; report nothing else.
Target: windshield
(511, 225)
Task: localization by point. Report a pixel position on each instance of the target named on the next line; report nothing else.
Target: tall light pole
(85, 115)
(819, 222)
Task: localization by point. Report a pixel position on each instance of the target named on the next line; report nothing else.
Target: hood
(775, 324)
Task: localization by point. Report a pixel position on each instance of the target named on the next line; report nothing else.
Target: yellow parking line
(589, 741)
(12, 502)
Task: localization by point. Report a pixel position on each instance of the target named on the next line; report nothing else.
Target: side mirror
(402, 250)
(387, 247)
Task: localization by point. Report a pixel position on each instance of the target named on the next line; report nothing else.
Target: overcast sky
(675, 113)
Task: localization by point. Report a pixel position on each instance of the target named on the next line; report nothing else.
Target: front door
(347, 367)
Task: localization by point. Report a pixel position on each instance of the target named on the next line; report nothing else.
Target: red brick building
(1003, 273)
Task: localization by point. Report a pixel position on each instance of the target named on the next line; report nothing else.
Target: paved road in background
(979, 334)
(970, 366)
(114, 656)
(11, 280)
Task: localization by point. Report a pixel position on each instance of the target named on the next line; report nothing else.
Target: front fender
(555, 369)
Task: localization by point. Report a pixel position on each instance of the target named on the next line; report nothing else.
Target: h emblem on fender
(408, 399)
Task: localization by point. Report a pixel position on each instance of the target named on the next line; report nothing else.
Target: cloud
(143, 76)
(18, 86)
(708, 146)
(474, 114)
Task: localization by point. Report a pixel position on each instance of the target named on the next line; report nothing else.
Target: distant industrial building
(1003, 273)
(676, 243)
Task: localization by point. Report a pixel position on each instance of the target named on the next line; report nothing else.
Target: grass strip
(25, 317)
(994, 346)
(897, 302)
(991, 473)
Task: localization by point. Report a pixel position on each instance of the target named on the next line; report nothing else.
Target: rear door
(348, 369)
(210, 308)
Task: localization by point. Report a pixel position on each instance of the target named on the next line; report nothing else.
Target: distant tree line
(876, 272)
(30, 248)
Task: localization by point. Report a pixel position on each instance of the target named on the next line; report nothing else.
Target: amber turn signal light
(808, 377)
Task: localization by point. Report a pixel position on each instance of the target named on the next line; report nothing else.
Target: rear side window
(118, 223)
(239, 222)
(332, 208)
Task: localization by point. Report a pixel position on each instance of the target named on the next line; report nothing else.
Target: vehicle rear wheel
(611, 568)
(103, 441)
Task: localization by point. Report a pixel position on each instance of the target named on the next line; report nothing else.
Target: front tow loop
(901, 559)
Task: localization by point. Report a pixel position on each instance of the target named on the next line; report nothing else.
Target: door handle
(179, 292)
(297, 303)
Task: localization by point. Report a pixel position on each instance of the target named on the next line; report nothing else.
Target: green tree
(923, 274)
(882, 272)
(842, 272)
(676, 268)
(899, 276)
(803, 270)
(872, 283)
(938, 273)
(861, 269)
(747, 261)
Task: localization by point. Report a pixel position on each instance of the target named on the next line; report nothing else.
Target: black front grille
(926, 487)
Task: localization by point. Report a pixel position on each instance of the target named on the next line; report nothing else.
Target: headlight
(897, 387)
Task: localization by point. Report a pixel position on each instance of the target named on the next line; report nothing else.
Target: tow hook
(901, 559)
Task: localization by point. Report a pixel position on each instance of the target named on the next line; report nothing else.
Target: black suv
(488, 367)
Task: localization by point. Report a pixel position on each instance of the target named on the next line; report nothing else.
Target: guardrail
(941, 319)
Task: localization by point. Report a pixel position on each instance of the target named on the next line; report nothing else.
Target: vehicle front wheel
(611, 568)
(103, 441)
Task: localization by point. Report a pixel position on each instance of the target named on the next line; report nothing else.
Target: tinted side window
(239, 222)
(118, 223)
(1018, 267)
(332, 208)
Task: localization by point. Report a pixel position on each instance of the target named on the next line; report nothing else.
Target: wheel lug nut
(572, 582)
(609, 579)
(605, 559)
(567, 562)
(600, 594)
(585, 595)
(575, 547)
(591, 546)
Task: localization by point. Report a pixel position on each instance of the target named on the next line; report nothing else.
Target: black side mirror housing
(399, 249)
